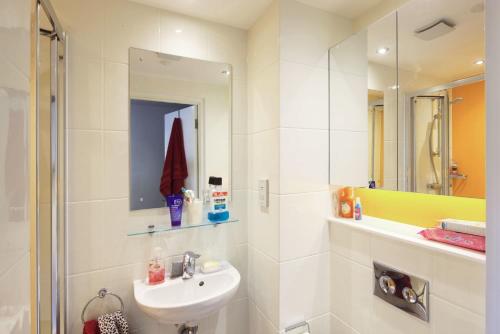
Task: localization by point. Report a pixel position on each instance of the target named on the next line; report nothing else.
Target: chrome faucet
(189, 264)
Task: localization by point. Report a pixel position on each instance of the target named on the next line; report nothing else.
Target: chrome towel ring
(100, 295)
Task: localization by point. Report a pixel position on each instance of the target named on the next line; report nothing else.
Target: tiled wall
(288, 111)
(306, 34)
(100, 253)
(14, 116)
(457, 287)
(263, 163)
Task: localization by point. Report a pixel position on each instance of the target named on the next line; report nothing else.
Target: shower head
(457, 100)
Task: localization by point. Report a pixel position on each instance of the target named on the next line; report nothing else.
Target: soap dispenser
(156, 268)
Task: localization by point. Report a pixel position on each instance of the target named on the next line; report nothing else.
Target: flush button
(407, 292)
(387, 284)
(410, 295)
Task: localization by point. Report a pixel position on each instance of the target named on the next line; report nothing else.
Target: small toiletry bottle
(218, 211)
(156, 268)
(346, 202)
(358, 215)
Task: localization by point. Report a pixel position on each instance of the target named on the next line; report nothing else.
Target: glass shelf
(152, 229)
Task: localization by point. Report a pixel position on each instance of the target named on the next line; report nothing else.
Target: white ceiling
(243, 13)
(447, 58)
(347, 8)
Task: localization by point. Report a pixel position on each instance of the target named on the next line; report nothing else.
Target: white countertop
(406, 233)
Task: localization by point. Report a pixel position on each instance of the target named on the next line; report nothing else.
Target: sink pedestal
(188, 329)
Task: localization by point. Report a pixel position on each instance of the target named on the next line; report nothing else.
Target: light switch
(264, 194)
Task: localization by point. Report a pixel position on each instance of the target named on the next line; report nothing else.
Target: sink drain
(201, 283)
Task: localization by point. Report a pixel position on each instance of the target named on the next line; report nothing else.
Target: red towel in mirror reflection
(175, 169)
(91, 327)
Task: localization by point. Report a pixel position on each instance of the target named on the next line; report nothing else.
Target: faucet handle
(192, 255)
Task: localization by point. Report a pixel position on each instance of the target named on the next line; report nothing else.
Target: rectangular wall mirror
(411, 86)
(164, 88)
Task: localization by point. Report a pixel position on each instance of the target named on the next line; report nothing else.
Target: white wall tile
(133, 25)
(116, 105)
(351, 293)
(264, 225)
(85, 165)
(263, 98)
(460, 282)
(116, 158)
(240, 107)
(263, 40)
(448, 318)
(192, 42)
(388, 319)
(399, 255)
(304, 96)
(320, 325)
(349, 159)
(228, 45)
(85, 221)
(264, 159)
(86, 90)
(258, 323)
(337, 326)
(304, 289)
(351, 244)
(85, 39)
(240, 162)
(303, 160)
(306, 33)
(303, 228)
(264, 284)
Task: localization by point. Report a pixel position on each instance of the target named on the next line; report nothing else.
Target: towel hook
(100, 295)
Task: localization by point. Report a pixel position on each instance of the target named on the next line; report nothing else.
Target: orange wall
(469, 139)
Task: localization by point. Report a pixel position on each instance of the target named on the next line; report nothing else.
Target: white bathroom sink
(178, 301)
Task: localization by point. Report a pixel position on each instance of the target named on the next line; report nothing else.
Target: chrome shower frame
(443, 145)
(58, 106)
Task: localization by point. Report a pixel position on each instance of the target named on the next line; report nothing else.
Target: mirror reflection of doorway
(151, 125)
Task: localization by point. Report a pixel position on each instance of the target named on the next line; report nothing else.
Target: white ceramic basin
(178, 301)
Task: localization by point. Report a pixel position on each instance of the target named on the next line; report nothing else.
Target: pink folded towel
(469, 241)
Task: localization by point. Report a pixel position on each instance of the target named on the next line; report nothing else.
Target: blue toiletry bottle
(358, 215)
(218, 211)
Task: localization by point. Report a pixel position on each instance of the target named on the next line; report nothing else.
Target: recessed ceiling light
(383, 51)
(479, 62)
(178, 31)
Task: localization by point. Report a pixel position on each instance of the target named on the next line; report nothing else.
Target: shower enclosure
(433, 147)
(429, 143)
(47, 167)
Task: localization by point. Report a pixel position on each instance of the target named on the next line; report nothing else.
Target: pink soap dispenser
(156, 268)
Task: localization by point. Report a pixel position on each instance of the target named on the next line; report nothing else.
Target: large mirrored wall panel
(407, 101)
(363, 107)
(176, 98)
(441, 66)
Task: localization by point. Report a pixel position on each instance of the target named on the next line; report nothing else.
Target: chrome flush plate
(407, 292)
